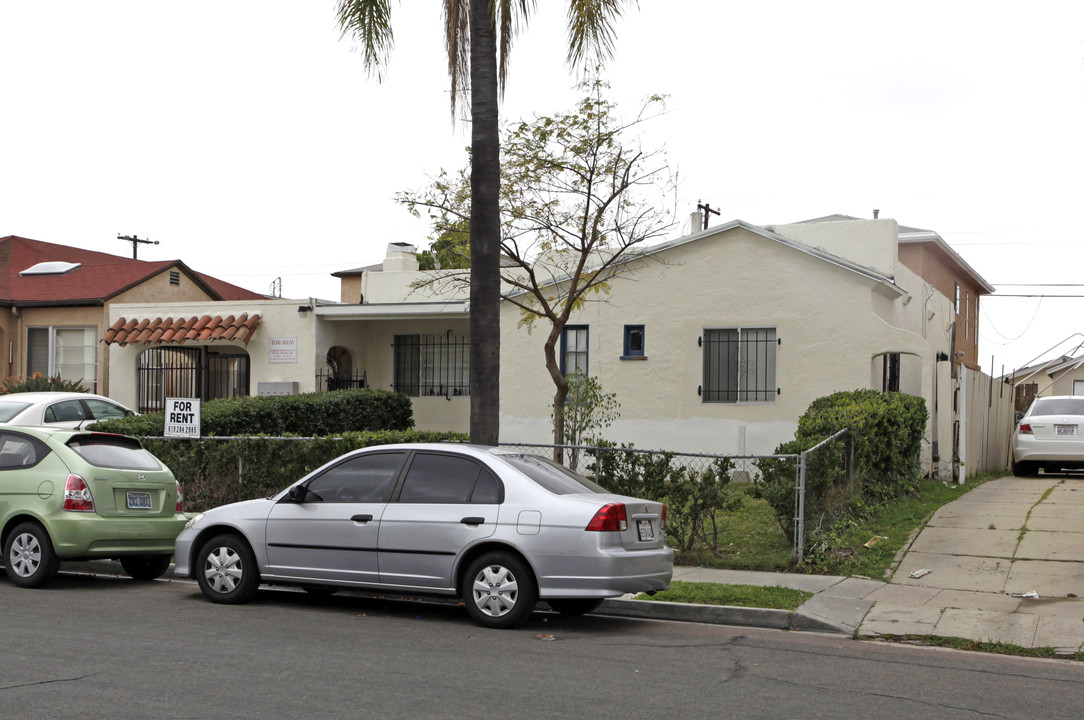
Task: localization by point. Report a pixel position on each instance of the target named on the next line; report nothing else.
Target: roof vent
(56, 267)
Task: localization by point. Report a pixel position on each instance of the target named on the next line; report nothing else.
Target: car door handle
(472, 520)
(362, 518)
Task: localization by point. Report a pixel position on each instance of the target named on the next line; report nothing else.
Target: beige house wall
(832, 323)
(869, 243)
(278, 319)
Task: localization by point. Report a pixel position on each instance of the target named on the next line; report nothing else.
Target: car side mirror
(297, 494)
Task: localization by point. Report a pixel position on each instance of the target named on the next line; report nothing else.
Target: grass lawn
(750, 537)
(778, 598)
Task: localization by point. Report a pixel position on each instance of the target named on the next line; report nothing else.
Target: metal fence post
(799, 519)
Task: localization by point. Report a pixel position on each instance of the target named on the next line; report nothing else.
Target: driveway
(1005, 563)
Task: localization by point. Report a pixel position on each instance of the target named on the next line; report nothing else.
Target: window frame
(53, 364)
(481, 470)
(765, 393)
(586, 352)
(431, 365)
(628, 352)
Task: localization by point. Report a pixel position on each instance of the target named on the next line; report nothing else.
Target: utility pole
(707, 211)
(136, 242)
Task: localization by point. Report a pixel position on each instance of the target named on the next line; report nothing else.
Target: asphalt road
(107, 647)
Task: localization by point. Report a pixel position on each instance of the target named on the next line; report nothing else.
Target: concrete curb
(771, 619)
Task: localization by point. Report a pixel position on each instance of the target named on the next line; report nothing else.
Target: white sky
(245, 138)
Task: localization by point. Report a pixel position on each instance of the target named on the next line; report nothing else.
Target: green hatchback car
(77, 495)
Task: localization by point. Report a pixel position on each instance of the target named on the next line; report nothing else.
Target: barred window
(739, 365)
(432, 365)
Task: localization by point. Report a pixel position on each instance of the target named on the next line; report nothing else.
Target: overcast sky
(245, 137)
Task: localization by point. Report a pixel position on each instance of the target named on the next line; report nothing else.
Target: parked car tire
(29, 557)
(226, 570)
(574, 606)
(1025, 469)
(499, 590)
(146, 567)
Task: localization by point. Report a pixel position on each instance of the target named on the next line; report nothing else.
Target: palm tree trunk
(485, 332)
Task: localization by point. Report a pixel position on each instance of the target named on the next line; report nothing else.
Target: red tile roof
(99, 277)
(179, 330)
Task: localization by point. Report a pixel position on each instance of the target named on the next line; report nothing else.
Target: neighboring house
(57, 302)
(1061, 376)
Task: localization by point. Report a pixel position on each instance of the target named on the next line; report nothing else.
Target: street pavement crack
(48, 682)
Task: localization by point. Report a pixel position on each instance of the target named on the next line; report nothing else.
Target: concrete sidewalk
(1005, 563)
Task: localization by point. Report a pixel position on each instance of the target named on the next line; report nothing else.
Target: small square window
(634, 341)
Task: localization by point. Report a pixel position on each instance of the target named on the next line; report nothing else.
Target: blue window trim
(630, 354)
(564, 346)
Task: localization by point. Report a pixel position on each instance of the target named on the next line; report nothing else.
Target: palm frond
(457, 43)
(591, 29)
(368, 22)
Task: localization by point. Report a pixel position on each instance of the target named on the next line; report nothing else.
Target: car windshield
(10, 408)
(113, 451)
(552, 476)
(1058, 406)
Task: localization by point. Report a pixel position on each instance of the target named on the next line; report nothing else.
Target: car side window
(102, 410)
(366, 479)
(19, 451)
(435, 478)
(66, 411)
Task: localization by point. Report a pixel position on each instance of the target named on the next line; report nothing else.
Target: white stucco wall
(870, 243)
(279, 318)
(831, 323)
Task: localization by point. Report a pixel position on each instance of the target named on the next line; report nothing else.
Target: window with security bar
(432, 365)
(739, 365)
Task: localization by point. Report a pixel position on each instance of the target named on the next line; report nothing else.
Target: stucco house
(1059, 376)
(57, 301)
(713, 342)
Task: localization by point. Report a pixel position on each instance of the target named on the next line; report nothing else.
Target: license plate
(1065, 429)
(139, 500)
(645, 529)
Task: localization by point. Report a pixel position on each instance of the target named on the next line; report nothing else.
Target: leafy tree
(587, 411)
(478, 38)
(450, 249)
(579, 199)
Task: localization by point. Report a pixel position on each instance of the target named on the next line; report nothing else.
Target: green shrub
(307, 415)
(885, 435)
(41, 383)
(693, 498)
(214, 471)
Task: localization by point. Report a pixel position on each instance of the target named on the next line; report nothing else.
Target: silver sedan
(1050, 436)
(499, 528)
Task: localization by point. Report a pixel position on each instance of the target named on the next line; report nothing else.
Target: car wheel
(574, 606)
(29, 555)
(146, 567)
(1024, 469)
(499, 590)
(226, 570)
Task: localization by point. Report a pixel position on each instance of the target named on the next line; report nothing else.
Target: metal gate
(191, 373)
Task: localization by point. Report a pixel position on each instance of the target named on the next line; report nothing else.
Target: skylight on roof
(54, 267)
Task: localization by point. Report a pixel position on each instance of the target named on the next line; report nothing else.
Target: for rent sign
(182, 418)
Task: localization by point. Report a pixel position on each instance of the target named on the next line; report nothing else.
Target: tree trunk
(561, 385)
(485, 229)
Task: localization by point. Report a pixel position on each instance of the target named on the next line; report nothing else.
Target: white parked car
(58, 409)
(1050, 436)
(498, 528)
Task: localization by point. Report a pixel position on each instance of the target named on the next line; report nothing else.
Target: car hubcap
(25, 555)
(495, 590)
(223, 570)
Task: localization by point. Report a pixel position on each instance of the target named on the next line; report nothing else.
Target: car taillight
(609, 518)
(180, 498)
(1025, 429)
(664, 518)
(77, 496)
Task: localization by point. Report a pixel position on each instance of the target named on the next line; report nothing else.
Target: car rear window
(552, 476)
(10, 409)
(1058, 406)
(113, 451)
